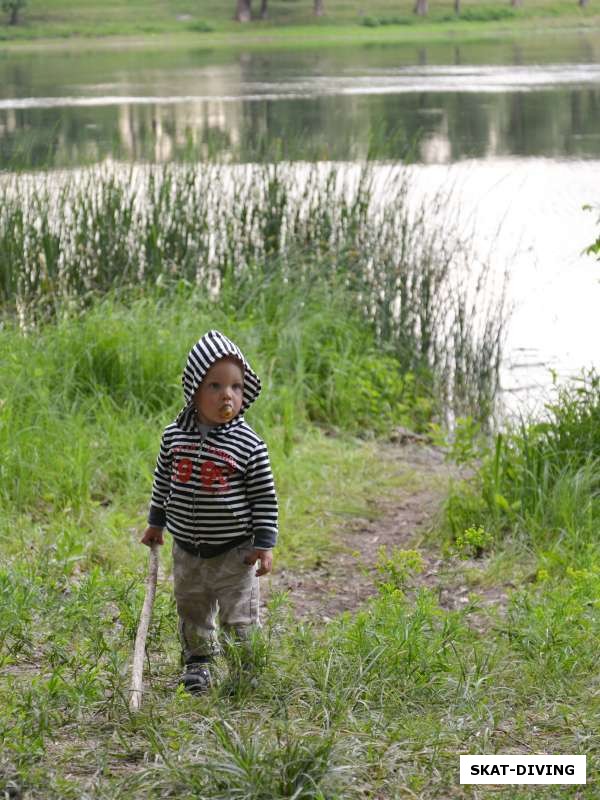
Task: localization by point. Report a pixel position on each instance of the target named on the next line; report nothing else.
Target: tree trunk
(584, 3)
(14, 14)
(457, 6)
(243, 12)
(422, 8)
(516, 3)
(263, 9)
(319, 8)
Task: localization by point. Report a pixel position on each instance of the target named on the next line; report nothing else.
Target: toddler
(213, 490)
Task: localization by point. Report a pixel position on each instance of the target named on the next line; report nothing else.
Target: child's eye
(238, 387)
(214, 385)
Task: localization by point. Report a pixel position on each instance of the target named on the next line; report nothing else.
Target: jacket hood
(209, 349)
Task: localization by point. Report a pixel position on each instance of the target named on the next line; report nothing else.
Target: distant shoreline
(308, 37)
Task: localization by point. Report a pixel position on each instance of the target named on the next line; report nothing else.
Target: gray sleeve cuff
(157, 517)
(265, 539)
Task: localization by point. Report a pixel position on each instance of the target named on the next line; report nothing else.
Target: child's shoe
(196, 678)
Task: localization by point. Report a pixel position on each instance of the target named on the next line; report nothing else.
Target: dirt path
(338, 583)
(346, 578)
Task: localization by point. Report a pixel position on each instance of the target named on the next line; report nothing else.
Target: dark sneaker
(196, 678)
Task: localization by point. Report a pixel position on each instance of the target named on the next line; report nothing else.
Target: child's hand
(266, 561)
(152, 535)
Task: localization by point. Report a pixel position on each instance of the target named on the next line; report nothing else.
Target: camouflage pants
(205, 587)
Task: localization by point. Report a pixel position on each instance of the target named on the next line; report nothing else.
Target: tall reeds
(403, 264)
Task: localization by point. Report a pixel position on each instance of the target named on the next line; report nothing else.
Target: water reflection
(448, 126)
(67, 111)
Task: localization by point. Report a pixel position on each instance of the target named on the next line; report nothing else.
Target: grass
(529, 516)
(484, 13)
(539, 480)
(213, 23)
(83, 403)
(108, 381)
(376, 704)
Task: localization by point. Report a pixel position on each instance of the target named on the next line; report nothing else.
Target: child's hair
(234, 360)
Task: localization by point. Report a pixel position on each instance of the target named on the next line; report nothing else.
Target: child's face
(219, 397)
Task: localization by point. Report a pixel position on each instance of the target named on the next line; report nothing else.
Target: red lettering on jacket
(225, 456)
(211, 473)
(184, 469)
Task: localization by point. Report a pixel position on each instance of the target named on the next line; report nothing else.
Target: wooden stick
(142, 631)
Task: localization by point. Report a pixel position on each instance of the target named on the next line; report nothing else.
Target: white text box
(522, 769)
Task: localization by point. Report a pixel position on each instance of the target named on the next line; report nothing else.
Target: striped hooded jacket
(212, 489)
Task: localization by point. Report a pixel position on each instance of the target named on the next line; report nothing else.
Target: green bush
(540, 479)
(200, 26)
(554, 625)
(412, 20)
(486, 14)
(374, 22)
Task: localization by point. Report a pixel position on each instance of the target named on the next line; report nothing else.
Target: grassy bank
(528, 520)
(288, 23)
(538, 481)
(378, 704)
(85, 396)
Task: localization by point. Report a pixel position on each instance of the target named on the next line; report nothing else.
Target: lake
(514, 127)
